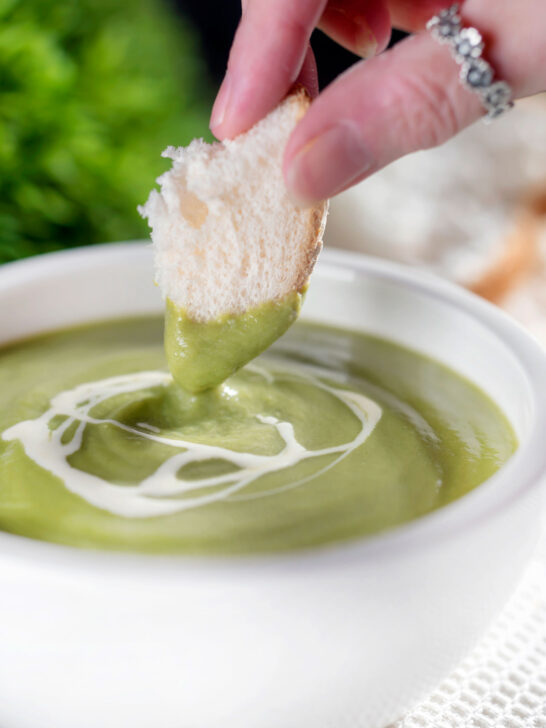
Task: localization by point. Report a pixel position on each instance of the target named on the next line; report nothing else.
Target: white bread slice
(226, 235)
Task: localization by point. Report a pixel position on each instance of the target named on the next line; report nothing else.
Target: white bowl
(346, 635)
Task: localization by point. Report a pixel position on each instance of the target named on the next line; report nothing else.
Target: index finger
(265, 59)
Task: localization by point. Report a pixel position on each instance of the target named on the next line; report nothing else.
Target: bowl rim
(521, 474)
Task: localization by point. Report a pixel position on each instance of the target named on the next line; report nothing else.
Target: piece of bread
(459, 210)
(527, 301)
(226, 235)
(514, 259)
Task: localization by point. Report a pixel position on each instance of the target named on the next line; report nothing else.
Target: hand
(405, 99)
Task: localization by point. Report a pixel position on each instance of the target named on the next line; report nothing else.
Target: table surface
(502, 684)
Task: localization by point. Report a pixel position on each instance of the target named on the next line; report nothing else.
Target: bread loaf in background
(468, 210)
(527, 301)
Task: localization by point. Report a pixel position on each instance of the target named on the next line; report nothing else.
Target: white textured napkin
(502, 684)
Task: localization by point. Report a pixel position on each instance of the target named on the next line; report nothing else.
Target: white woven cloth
(502, 684)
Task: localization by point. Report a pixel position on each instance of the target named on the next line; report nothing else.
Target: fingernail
(328, 163)
(365, 40)
(352, 26)
(221, 104)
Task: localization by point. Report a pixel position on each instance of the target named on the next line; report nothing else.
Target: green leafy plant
(90, 92)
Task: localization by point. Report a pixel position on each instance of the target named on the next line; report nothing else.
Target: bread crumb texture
(226, 235)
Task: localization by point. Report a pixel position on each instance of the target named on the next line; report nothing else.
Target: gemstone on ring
(497, 98)
(446, 25)
(477, 73)
(468, 44)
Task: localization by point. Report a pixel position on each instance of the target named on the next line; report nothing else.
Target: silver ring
(476, 74)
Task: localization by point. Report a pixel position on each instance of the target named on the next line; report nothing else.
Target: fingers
(408, 98)
(361, 26)
(269, 52)
(266, 58)
(269, 49)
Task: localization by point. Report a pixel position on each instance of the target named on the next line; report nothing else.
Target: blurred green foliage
(91, 91)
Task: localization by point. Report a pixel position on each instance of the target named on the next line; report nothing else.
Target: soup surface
(329, 436)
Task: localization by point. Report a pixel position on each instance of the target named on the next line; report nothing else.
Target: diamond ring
(476, 74)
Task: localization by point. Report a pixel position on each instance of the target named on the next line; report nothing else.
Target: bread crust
(317, 223)
(317, 213)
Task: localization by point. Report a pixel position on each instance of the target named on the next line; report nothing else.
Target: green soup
(201, 355)
(332, 435)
